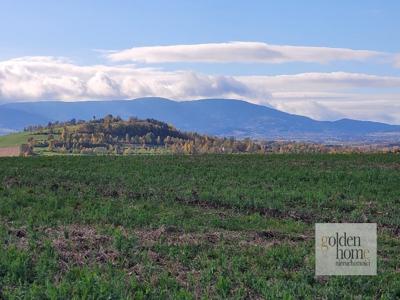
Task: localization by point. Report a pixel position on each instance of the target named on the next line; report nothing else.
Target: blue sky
(74, 28)
(37, 37)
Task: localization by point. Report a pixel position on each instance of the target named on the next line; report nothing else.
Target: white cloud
(213, 86)
(102, 86)
(318, 95)
(310, 108)
(43, 78)
(240, 52)
(316, 82)
(397, 61)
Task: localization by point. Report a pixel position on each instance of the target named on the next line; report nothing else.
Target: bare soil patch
(9, 151)
(82, 245)
(171, 236)
(18, 237)
(264, 211)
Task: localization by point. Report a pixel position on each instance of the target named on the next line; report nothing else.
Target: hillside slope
(221, 117)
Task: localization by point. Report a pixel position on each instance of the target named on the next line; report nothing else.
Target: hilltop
(113, 135)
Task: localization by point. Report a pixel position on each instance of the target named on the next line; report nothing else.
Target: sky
(324, 59)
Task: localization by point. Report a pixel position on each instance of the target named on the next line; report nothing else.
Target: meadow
(16, 139)
(191, 226)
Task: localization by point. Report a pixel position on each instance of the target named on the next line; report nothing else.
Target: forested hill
(113, 135)
(112, 130)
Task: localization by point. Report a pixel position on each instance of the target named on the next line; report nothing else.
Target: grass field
(16, 139)
(183, 227)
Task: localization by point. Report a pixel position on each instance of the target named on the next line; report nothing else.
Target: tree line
(113, 135)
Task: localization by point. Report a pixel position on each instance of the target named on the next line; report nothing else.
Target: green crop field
(16, 139)
(191, 227)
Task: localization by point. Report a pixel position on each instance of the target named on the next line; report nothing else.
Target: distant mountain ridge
(220, 117)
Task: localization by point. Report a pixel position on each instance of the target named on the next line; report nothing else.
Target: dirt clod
(81, 245)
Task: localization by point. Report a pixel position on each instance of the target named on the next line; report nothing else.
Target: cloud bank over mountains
(324, 96)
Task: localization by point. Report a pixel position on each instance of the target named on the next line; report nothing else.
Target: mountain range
(219, 117)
